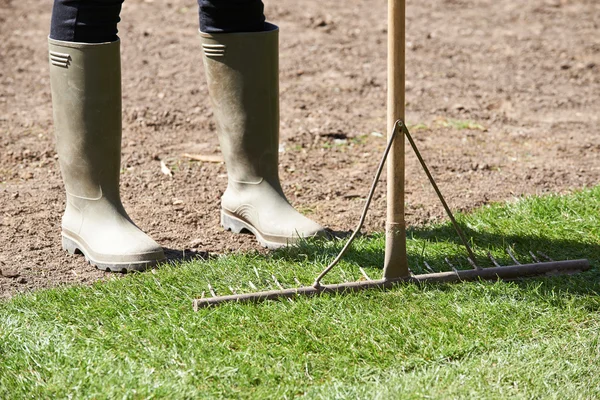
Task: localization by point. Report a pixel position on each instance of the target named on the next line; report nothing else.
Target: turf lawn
(137, 337)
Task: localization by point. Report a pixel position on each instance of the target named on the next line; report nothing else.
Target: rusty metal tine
(280, 287)
(448, 262)
(491, 257)
(510, 253)
(252, 285)
(277, 282)
(428, 267)
(452, 267)
(362, 271)
(212, 290)
(473, 264)
(545, 256)
(537, 260)
(232, 290)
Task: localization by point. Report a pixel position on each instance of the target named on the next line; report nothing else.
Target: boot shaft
(86, 96)
(242, 71)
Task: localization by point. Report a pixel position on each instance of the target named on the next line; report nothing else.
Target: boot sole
(237, 225)
(72, 247)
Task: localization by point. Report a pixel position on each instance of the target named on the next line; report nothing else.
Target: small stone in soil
(196, 243)
(9, 272)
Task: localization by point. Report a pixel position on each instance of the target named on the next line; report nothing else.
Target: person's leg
(243, 82)
(227, 16)
(85, 77)
(85, 21)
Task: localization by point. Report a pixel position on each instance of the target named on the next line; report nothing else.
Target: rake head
(510, 272)
(515, 271)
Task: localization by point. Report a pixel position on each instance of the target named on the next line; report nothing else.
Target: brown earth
(526, 73)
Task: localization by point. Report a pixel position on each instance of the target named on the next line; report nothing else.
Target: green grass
(460, 124)
(456, 124)
(137, 337)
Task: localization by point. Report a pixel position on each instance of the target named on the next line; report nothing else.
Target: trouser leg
(85, 21)
(229, 16)
(95, 21)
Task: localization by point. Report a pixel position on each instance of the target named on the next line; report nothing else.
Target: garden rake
(395, 268)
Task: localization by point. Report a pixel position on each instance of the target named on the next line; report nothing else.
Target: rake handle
(396, 264)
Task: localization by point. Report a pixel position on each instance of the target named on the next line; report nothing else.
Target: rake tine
(362, 271)
(473, 264)
(537, 260)
(491, 257)
(545, 256)
(280, 287)
(277, 282)
(510, 253)
(450, 265)
(428, 267)
(252, 285)
(212, 290)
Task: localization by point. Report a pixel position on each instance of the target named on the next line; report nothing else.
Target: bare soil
(526, 74)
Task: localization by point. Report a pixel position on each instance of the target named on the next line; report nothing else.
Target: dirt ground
(526, 74)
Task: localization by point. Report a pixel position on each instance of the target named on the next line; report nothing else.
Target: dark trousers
(95, 21)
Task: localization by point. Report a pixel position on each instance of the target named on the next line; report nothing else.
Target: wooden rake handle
(396, 264)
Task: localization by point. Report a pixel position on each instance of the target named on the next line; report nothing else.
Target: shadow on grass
(427, 244)
(176, 255)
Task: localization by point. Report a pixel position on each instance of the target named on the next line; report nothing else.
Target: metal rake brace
(395, 269)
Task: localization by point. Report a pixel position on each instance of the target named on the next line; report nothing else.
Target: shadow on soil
(583, 283)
